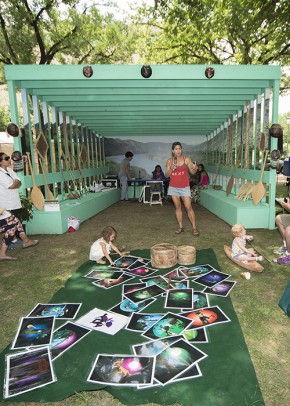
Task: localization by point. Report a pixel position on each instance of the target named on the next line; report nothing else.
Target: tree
(4, 118)
(70, 31)
(217, 31)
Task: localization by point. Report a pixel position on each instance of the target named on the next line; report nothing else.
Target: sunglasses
(6, 158)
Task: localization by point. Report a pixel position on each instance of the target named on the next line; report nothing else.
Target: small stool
(155, 201)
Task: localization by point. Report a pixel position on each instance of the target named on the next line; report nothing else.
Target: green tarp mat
(228, 374)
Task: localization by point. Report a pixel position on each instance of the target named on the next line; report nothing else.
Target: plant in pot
(26, 213)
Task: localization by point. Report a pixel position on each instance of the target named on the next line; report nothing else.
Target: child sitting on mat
(239, 250)
(103, 246)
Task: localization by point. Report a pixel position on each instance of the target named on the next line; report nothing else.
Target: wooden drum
(163, 255)
(186, 255)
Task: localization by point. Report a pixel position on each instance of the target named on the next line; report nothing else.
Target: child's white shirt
(96, 251)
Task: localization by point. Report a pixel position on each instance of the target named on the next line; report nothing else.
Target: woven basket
(163, 255)
(186, 255)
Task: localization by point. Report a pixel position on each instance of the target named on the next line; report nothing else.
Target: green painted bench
(88, 205)
(233, 211)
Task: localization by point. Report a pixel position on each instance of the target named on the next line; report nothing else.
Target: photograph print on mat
(141, 270)
(176, 360)
(126, 307)
(102, 274)
(109, 283)
(190, 373)
(124, 262)
(200, 299)
(175, 275)
(212, 278)
(169, 325)
(221, 289)
(196, 271)
(145, 293)
(122, 370)
(196, 335)
(103, 321)
(179, 298)
(206, 317)
(156, 280)
(27, 370)
(143, 321)
(153, 348)
(34, 332)
(131, 287)
(58, 310)
(65, 337)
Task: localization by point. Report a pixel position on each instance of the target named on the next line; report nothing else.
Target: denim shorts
(179, 191)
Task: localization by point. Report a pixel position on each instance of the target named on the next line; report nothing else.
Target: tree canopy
(217, 31)
(167, 31)
(70, 31)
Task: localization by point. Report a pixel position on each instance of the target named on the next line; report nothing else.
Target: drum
(186, 255)
(163, 255)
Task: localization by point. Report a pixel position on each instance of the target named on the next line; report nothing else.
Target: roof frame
(175, 100)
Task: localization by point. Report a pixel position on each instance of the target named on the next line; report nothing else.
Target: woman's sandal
(30, 243)
(195, 232)
(179, 230)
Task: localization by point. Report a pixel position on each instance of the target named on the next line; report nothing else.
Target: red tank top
(179, 177)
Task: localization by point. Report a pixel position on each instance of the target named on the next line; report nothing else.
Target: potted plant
(26, 212)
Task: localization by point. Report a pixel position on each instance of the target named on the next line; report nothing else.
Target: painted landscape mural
(149, 152)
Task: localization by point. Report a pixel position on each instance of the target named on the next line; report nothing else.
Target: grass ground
(41, 271)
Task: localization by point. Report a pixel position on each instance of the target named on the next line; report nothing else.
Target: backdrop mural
(150, 152)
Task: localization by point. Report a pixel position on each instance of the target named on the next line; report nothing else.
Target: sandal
(179, 230)
(31, 243)
(195, 231)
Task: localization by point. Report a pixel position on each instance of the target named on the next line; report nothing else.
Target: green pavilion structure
(65, 112)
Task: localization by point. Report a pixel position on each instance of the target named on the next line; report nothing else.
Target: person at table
(177, 168)
(124, 174)
(158, 174)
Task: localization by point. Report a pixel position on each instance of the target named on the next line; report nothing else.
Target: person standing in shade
(124, 174)
(177, 169)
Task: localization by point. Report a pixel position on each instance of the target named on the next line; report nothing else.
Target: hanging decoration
(146, 71)
(88, 71)
(209, 73)
(13, 129)
(276, 131)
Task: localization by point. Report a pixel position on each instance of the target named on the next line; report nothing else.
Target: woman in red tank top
(177, 168)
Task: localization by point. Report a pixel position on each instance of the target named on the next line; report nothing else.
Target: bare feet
(101, 261)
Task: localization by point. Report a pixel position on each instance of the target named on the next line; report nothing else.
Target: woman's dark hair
(1, 156)
(129, 154)
(107, 232)
(157, 166)
(202, 167)
(175, 144)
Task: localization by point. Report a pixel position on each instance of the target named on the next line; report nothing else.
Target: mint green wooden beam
(123, 72)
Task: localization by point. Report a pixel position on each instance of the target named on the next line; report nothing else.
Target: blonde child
(239, 250)
(103, 246)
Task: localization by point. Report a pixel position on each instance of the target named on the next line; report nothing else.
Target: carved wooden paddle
(259, 189)
(36, 194)
(48, 192)
(232, 178)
